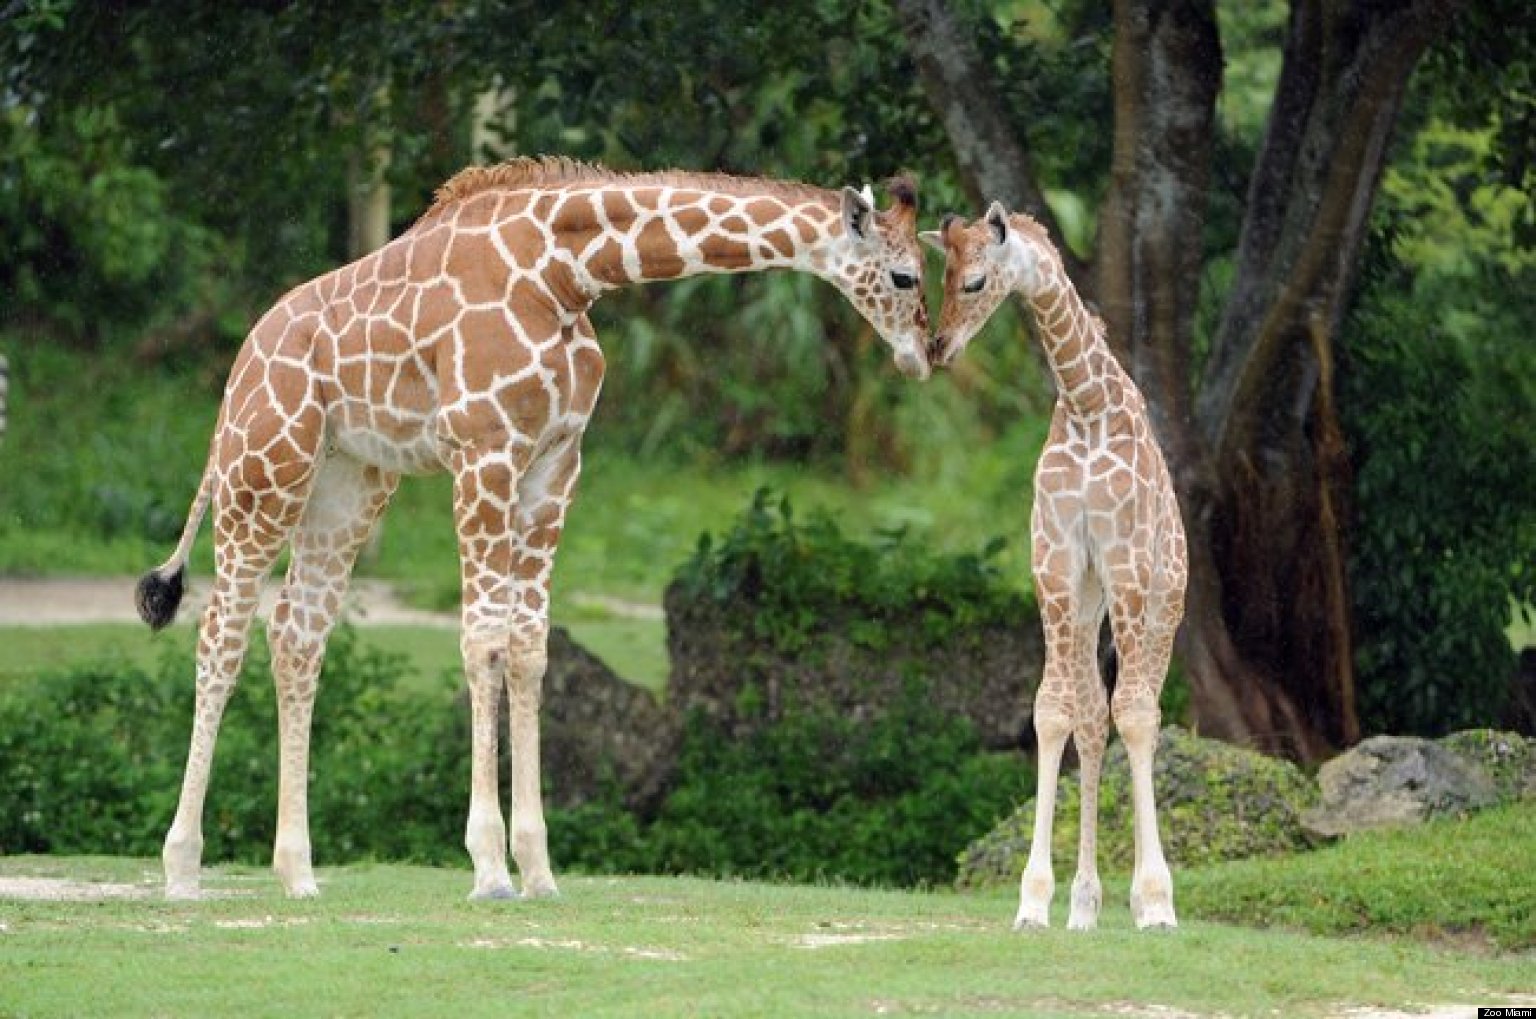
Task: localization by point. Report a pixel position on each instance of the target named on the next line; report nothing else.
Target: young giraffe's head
(878, 265)
(984, 262)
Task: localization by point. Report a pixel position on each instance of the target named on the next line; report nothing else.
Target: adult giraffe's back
(464, 345)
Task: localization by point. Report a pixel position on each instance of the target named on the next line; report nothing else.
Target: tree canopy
(1307, 225)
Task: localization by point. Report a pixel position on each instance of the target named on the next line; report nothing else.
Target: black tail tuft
(158, 597)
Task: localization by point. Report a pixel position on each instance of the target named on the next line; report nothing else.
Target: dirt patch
(61, 601)
(52, 889)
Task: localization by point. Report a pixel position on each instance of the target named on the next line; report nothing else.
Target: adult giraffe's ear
(933, 239)
(997, 222)
(857, 213)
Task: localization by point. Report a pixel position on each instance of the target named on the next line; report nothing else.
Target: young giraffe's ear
(933, 239)
(857, 212)
(997, 222)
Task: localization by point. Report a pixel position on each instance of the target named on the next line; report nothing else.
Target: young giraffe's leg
(1144, 628)
(1055, 716)
(544, 495)
(1091, 734)
(248, 534)
(346, 500)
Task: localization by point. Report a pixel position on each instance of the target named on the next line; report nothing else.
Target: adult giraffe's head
(984, 262)
(878, 265)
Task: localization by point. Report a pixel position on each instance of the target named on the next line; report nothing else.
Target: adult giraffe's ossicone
(1107, 538)
(464, 345)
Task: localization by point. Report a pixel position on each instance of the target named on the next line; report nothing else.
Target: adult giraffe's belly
(396, 433)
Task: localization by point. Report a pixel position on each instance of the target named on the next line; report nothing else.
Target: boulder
(600, 735)
(1215, 802)
(1391, 781)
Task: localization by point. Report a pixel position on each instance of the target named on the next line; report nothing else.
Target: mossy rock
(1507, 758)
(1215, 802)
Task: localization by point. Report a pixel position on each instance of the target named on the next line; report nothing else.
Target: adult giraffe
(1107, 537)
(464, 345)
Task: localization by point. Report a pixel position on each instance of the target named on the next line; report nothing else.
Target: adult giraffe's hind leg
(343, 505)
(248, 534)
(544, 496)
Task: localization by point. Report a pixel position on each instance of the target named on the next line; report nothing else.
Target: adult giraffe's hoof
(182, 891)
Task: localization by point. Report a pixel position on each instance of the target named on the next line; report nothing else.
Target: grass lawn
(402, 941)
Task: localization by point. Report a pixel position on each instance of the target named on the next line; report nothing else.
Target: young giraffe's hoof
(493, 893)
(541, 888)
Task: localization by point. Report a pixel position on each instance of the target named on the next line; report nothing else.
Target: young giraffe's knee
(1137, 714)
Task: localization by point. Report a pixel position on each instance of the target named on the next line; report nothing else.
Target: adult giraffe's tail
(160, 590)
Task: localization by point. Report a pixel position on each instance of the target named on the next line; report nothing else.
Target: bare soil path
(60, 601)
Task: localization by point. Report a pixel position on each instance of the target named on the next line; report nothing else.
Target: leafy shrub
(888, 800)
(1446, 507)
(94, 242)
(103, 772)
(788, 579)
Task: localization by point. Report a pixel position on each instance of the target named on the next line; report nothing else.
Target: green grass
(388, 941)
(1465, 879)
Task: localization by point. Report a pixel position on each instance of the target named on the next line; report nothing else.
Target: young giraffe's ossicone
(464, 345)
(1107, 539)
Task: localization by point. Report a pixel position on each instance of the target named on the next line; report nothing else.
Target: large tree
(1250, 427)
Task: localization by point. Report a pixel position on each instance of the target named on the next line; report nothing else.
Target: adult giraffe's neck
(620, 234)
(1086, 373)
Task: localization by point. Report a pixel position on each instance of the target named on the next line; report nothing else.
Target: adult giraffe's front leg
(485, 480)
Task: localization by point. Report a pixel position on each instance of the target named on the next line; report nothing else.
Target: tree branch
(992, 153)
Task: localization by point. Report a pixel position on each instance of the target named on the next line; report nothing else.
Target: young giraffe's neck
(1086, 373)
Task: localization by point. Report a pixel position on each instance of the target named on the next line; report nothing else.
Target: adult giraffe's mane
(525, 173)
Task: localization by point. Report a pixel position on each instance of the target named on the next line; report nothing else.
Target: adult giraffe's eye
(903, 280)
(974, 286)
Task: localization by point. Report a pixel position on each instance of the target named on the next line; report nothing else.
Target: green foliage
(886, 800)
(883, 800)
(94, 243)
(1440, 408)
(104, 773)
(790, 580)
(1457, 879)
(107, 454)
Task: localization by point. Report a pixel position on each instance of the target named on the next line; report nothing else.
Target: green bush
(791, 579)
(93, 759)
(94, 242)
(102, 773)
(1446, 510)
(888, 800)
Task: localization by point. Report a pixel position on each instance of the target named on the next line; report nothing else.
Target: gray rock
(1391, 781)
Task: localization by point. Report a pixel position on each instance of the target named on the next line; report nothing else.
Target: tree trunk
(1257, 456)
(368, 192)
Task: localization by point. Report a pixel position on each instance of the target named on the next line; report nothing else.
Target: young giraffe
(1107, 537)
(464, 345)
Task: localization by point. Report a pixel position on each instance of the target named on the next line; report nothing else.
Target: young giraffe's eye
(903, 280)
(973, 286)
